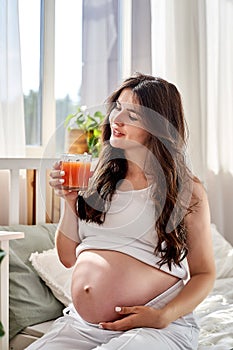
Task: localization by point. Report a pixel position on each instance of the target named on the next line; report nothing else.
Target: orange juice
(77, 172)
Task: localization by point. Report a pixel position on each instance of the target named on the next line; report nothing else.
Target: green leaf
(99, 115)
(2, 254)
(97, 133)
(68, 119)
(80, 117)
(81, 122)
(91, 125)
(1, 329)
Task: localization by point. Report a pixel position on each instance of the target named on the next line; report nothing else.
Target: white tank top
(129, 228)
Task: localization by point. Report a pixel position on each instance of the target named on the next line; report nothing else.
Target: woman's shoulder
(199, 205)
(198, 190)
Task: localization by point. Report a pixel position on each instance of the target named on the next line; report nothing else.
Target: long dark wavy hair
(163, 118)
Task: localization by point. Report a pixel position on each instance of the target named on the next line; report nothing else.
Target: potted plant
(2, 254)
(83, 131)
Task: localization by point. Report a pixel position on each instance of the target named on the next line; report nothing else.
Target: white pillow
(56, 276)
(223, 252)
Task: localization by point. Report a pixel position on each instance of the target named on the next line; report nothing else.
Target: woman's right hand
(56, 181)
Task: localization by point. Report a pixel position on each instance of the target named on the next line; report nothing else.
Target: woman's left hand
(135, 317)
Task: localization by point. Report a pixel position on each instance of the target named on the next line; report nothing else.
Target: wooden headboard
(41, 204)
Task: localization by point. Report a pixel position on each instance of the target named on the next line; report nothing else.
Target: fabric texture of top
(129, 228)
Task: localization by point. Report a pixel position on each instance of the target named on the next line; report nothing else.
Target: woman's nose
(118, 118)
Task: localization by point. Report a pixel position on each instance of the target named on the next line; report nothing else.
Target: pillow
(223, 252)
(31, 301)
(56, 276)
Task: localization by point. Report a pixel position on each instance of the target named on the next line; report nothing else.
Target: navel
(87, 289)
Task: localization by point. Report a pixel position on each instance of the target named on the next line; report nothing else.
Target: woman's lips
(117, 133)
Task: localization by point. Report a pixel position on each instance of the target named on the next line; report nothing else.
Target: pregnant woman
(139, 236)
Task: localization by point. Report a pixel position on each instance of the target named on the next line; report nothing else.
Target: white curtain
(103, 33)
(141, 37)
(100, 65)
(12, 132)
(192, 46)
(219, 84)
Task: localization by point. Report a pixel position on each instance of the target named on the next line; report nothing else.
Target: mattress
(215, 317)
(29, 334)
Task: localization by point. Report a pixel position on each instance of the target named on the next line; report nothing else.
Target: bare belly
(103, 279)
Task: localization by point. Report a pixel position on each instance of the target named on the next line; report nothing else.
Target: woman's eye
(133, 117)
(117, 106)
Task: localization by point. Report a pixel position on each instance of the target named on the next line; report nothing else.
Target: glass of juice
(77, 168)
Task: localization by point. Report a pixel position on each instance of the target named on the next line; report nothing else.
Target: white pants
(71, 332)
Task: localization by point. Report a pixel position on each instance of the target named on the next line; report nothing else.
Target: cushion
(31, 301)
(223, 252)
(56, 276)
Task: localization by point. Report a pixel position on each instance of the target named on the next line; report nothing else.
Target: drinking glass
(77, 168)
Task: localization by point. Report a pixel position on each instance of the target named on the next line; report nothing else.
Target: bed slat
(14, 197)
(15, 165)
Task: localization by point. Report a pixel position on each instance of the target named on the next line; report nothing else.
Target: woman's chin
(116, 143)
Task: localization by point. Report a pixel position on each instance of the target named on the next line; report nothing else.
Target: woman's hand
(56, 181)
(67, 231)
(136, 317)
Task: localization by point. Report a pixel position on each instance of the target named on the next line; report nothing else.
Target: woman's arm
(200, 259)
(67, 238)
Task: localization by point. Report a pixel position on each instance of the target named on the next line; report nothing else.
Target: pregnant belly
(104, 279)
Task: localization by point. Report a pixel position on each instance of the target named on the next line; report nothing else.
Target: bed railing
(14, 165)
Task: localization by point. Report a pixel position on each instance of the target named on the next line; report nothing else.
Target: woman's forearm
(193, 293)
(67, 237)
(68, 224)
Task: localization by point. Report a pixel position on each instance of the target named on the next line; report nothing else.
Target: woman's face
(127, 129)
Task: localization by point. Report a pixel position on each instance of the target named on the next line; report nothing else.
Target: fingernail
(61, 181)
(101, 326)
(62, 172)
(117, 308)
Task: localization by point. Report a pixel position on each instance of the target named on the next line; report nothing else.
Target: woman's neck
(135, 178)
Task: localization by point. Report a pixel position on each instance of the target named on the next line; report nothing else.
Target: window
(68, 63)
(51, 53)
(53, 35)
(29, 22)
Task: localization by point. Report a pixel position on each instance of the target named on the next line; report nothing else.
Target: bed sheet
(215, 317)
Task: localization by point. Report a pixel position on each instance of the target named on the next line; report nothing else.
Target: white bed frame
(14, 165)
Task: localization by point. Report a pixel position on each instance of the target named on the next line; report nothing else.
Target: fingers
(132, 317)
(69, 195)
(57, 165)
(56, 182)
(114, 326)
(56, 179)
(126, 310)
(56, 173)
(123, 324)
(56, 176)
